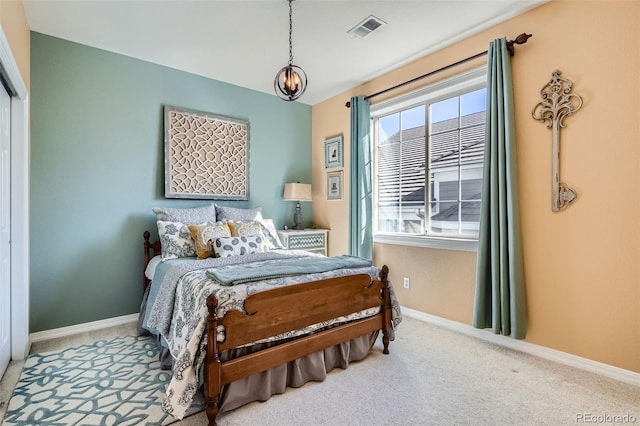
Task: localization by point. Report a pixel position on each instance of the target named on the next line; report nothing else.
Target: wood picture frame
(205, 155)
(334, 185)
(333, 152)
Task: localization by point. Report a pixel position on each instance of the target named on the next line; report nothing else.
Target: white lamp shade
(297, 192)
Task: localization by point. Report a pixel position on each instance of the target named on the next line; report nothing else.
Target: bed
(284, 332)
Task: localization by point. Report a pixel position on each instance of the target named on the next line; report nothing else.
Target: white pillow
(238, 246)
(270, 234)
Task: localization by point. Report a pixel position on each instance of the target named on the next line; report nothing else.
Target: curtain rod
(521, 39)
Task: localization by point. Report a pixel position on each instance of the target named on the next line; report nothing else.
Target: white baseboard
(81, 328)
(606, 370)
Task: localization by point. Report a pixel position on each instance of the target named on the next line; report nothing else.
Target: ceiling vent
(366, 26)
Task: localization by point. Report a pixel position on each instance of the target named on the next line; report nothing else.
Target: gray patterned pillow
(175, 240)
(233, 213)
(237, 246)
(188, 216)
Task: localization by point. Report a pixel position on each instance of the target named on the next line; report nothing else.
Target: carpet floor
(432, 376)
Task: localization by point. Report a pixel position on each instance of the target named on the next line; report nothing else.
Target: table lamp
(297, 192)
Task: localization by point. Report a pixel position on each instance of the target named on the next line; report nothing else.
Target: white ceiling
(246, 42)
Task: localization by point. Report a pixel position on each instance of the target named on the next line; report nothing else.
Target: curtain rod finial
(521, 39)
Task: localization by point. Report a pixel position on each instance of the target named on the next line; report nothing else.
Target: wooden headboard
(151, 249)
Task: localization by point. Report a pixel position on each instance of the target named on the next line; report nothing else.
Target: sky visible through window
(446, 109)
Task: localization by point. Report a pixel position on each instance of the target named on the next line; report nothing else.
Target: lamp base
(297, 218)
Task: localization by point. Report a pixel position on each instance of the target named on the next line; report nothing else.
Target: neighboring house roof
(444, 141)
(417, 195)
(407, 147)
(470, 213)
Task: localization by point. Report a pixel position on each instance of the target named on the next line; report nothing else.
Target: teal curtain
(500, 293)
(360, 226)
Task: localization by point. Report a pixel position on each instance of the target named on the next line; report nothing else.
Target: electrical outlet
(406, 282)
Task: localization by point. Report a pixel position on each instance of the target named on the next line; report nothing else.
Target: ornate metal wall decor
(557, 103)
(206, 155)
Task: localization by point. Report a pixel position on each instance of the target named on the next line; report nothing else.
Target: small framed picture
(334, 185)
(333, 152)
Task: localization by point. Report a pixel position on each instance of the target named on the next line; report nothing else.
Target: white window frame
(459, 84)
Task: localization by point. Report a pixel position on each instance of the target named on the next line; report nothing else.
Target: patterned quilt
(178, 313)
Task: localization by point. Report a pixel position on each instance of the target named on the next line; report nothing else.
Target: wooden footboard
(286, 309)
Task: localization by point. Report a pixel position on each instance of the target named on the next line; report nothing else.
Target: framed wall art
(205, 155)
(334, 185)
(333, 152)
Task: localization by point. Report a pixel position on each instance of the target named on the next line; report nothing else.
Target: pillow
(238, 246)
(270, 234)
(175, 240)
(244, 229)
(204, 234)
(189, 216)
(264, 227)
(232, 213)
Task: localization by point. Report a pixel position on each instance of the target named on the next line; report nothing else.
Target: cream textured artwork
(206, 155)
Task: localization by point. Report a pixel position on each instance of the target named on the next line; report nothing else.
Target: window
(429, 152)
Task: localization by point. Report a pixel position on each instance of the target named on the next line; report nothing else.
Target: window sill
(460, 244)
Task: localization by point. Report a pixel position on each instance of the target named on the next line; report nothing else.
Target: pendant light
(291, 81)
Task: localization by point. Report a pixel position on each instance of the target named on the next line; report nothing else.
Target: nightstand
(311, 240)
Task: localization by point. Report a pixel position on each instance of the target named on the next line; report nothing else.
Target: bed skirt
(312, 367)
(261, 386)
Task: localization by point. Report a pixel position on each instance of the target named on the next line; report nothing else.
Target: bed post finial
(384, 273)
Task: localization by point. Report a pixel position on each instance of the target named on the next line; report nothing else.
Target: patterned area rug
(117, 382)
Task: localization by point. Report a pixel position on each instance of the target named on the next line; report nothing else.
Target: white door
(5, 230)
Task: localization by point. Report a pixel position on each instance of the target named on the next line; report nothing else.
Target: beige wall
(14, 24)
(582, 265)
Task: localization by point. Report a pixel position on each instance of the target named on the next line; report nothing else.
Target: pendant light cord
(290, 32)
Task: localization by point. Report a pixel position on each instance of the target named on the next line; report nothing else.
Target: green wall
(97, 152)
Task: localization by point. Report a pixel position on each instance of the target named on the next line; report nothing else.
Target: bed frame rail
(277, 355)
